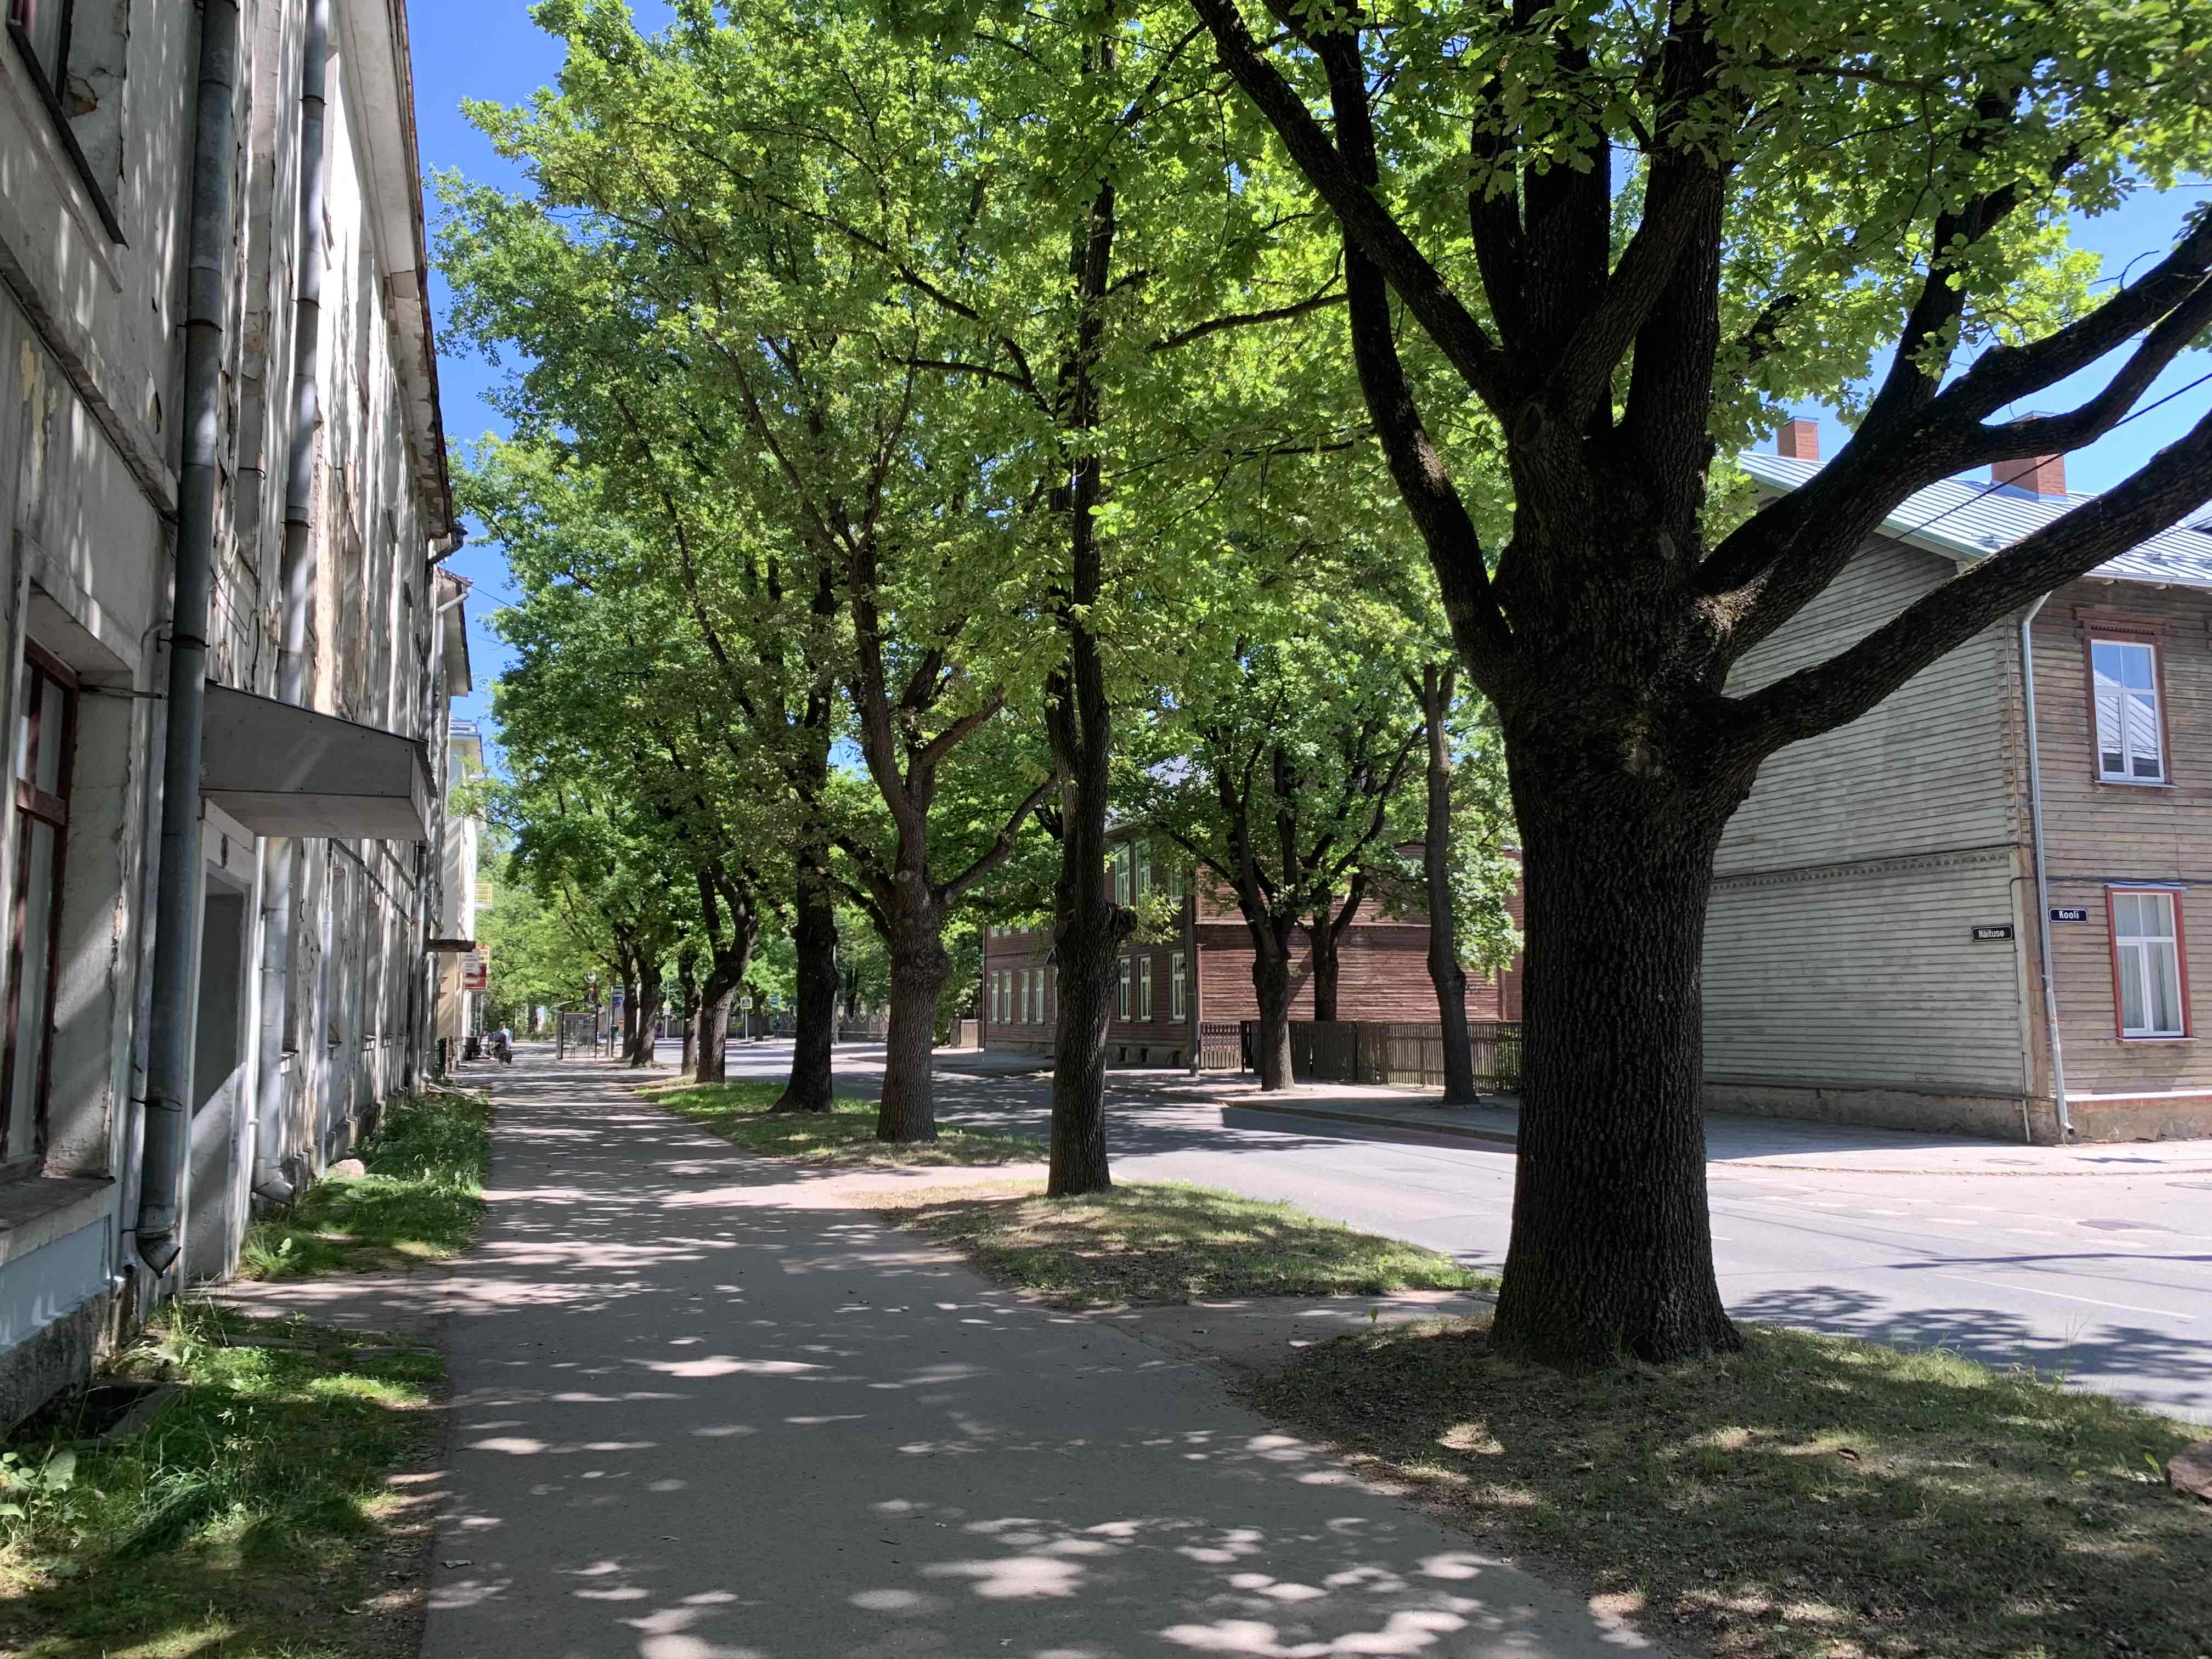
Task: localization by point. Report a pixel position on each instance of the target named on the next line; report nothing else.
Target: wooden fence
(1407, 1055)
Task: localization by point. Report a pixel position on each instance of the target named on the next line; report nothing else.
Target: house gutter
(177, 904)
(2042, 866)
(297, 585)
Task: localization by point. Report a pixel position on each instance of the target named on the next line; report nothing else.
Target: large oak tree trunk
(1611, 1251)
(1271, 984)
(814, 942)
(919, 966)
(1445, 973)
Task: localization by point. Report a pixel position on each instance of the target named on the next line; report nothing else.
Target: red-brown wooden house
(1164, 1005)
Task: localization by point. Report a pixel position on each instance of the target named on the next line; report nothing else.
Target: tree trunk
(1325, 960)
(642, 1021)
(713, 1064)
(920, 965)
(1444, 970)
(1271, 984)
(687, 1003)
(631, 999)
(1611, 1251)
(1088, 926)
(1087, 941)
(814, 941)
(1088, 967)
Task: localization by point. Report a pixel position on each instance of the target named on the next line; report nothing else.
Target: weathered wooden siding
(2099, 834)
(1840, 947)
(1868, 973)
(1923, 771)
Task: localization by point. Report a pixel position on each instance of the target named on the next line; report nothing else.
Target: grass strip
(1812, 1497)
(420, 1200)
(258, 1517)
(1157, 1243)
(846, 1135)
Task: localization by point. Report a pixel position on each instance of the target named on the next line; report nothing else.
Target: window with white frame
(2131, 736)
(1178, 987)
(1144, 988)
(1051, 992)
(1122, 986)
(1123, 873)
(2147, 963)
(998, 996)
(1140, 865)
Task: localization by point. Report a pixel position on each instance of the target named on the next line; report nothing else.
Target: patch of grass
(1159, 1242)
(256, 1518)
(420, 1201)
(1811, 1498)
(738, 1112)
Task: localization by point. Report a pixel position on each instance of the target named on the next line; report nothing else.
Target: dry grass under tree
(1812, 1497)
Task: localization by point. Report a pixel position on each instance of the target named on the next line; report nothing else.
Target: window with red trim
(2130, 720)
(2150, 971)
(45, 739)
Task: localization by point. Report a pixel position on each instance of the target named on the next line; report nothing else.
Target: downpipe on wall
(177, 912)
(296, 579)
(2042, 866)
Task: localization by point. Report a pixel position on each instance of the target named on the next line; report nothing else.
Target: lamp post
(592, 998)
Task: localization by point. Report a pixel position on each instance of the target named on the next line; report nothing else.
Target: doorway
(218, 1056)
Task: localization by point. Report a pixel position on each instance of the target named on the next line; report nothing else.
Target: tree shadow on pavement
(2096, 1351)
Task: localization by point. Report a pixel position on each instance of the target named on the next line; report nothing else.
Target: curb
(1464, 1131)
(1498, 1137)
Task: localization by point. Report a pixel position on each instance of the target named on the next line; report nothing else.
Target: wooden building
(1191, 991)
(1890, 894)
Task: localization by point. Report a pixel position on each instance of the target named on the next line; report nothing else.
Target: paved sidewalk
(706, 1409)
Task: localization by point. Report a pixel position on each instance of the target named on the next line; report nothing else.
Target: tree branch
(1002, 848)
(1367, 223)
(1321, 301)
(2173, 483)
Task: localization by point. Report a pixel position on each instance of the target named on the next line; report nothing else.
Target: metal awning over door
(282, 770)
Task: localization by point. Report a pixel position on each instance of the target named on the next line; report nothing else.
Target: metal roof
(1964, 518)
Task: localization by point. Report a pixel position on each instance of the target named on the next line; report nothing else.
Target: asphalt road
(2100, 1274)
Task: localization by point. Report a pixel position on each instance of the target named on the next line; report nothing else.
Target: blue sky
(491, 49)
(475, 49)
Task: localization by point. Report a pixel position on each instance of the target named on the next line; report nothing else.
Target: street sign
(1992, 935)
(476, 968)
(2068, 913)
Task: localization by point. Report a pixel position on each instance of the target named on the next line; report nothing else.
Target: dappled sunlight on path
(705, 1408)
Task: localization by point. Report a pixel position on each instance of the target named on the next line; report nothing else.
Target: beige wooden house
(1983, 907)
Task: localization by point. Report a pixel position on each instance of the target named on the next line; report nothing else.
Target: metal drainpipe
(176, 906)
(297, 583)
(2042, 879)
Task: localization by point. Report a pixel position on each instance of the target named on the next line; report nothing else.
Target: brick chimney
(1799, 439)
(2038, 475)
